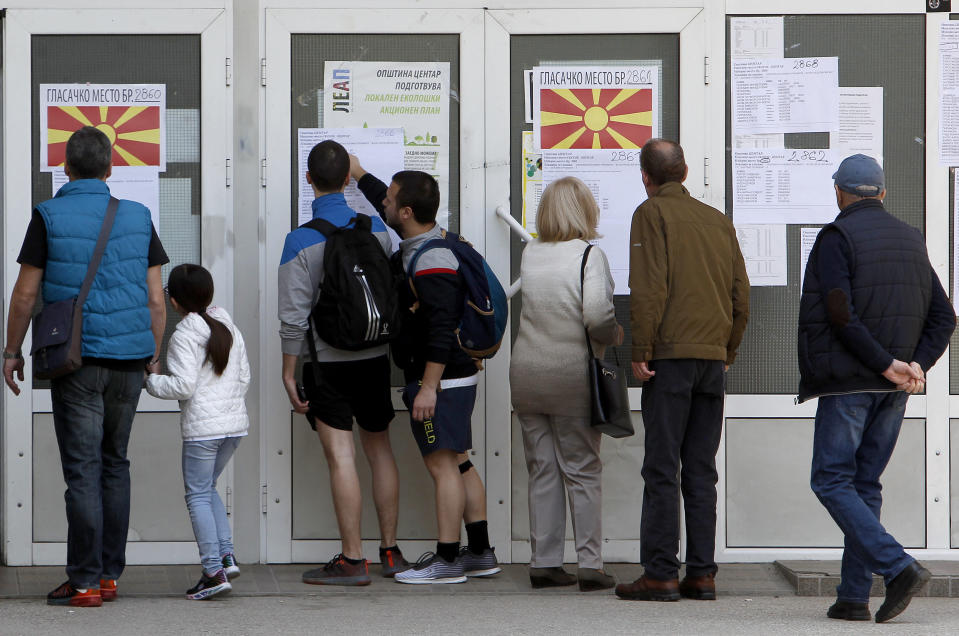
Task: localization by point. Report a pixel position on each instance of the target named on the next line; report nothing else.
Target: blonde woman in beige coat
(550, 391)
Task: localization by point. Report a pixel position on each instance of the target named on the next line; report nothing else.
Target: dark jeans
(855, 436)
(93, 411)
(683, 418)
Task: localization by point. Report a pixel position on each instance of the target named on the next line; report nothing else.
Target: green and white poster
(414, 96)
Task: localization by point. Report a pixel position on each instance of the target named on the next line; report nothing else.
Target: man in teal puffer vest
(123, 322)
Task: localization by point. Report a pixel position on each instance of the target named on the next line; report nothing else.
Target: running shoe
(393, 562)
(230, 567)
(66, 594)
(209, 586)
(482, 564)
(432, 568)
(339, 571)
(108, 589)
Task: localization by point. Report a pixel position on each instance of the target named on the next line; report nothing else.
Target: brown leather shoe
(647, 589)
(700, 588)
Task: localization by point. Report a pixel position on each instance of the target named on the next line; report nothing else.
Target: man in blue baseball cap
(873, 319)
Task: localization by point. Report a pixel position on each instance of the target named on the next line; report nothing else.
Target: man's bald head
(663, 161)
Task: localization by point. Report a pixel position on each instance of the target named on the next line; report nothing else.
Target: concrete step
(820, 578)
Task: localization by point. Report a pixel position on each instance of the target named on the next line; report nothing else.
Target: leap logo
(342, 100)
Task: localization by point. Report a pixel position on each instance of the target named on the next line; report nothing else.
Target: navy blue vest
(891, 281)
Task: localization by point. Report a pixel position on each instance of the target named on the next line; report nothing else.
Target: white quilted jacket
(211, 406)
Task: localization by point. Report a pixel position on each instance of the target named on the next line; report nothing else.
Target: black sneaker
(339, 571)
(849, 611)
(393, 562)
(901, 589)
(209, 586)
(230, 567)
(432, 568)
(482, 564)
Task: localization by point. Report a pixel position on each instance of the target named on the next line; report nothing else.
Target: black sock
(448, 551)
(394, 548)
(477, 534)
(352, 561)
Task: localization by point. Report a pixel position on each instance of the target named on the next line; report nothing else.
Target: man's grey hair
(88, 154)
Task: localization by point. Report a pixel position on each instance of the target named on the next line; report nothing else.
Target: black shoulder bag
(57, 329)
(609, 397)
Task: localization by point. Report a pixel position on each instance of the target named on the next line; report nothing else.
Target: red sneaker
(66, 594)
(108, 589)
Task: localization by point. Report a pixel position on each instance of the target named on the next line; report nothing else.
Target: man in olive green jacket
(690, 302)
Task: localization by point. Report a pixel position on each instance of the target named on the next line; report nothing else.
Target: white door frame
(937, 406)
(280, 25)
(700, 138)
(43, 17)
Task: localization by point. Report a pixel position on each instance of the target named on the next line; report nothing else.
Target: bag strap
(324, 227)
(428, 245)
(582, 276)
(98, 250)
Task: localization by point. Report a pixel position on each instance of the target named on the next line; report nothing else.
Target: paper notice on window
(860, 123)
(784, 186)
(955, 246)
(132, 116)
(140, 184)
(781, 95)
(614, 178)
(532, 182)
(949, 93)
(412, 95)
(764, 250)
(380, 151)
(807, 238)
(595, 107)
(756, 36)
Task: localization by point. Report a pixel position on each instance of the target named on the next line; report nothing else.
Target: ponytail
(192, 287)
(219, 345)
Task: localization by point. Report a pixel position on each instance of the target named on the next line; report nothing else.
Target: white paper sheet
(614, 178)
(380, 151)
(412, 95)
(595, 107)
(949, 93)
(784, 186)
(756, 36)
(807, 238)
(773, 95)
(860, 123)
(135, 184)
(764, 250)
(133, 117)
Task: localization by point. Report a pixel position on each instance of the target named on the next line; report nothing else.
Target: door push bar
(503, 212)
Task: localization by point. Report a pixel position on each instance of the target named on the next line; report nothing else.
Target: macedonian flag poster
(132, 116)
(595, 107)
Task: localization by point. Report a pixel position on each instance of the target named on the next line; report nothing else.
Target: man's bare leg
(386, 482)
(345, 485)
(450, 493)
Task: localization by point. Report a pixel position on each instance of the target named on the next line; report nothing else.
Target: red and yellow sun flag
(134, 132)
(596, 118)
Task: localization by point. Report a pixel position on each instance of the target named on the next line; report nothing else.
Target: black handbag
(609, 396)
(57, 329)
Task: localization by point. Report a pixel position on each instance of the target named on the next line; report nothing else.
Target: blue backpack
(485, 310)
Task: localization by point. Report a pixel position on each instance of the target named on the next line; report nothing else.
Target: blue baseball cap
(860, 175)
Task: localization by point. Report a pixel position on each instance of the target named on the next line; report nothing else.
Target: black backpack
(358, 306)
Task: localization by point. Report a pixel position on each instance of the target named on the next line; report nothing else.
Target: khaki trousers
(563, 449)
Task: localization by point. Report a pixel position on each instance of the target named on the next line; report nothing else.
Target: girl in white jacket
(208, 372)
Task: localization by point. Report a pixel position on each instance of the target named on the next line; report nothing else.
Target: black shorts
(340, 391)
(451, 427)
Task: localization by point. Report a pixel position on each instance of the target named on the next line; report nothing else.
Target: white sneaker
(432, 568)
